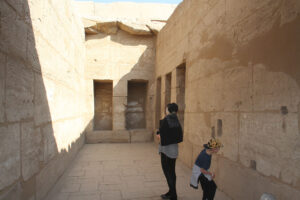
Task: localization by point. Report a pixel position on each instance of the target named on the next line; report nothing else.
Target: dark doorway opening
(158, 102)
(103, 105)
(168, 89)
(180, 91)
(136, 105)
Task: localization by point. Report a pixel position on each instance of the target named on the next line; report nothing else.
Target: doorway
(136, 105)
(103, 105)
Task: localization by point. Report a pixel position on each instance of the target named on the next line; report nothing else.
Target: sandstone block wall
(243, 86)
(120, 58)
(126, 10)
(43, 112)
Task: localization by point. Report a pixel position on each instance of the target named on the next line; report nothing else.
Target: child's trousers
(209, 188)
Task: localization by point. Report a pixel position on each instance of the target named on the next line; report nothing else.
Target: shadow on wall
(142, 72)
(30, 160)
(278, 48)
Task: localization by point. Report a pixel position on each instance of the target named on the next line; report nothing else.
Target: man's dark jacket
(170, 130)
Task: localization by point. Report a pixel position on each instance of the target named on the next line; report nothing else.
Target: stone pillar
(119, 104)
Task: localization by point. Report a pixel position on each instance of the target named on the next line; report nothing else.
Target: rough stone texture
(242, 86)
(123, 136)
(19, 91)
(134, 28)
(10, 154)
(140, 136)
(50, 146)
(133, 18)
(30, 149)
(43, 109)
(274, 134)
(120, 58)
(126, 10)
(2, 86)
(107, 136)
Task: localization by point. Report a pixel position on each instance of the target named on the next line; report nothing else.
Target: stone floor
(121, 171)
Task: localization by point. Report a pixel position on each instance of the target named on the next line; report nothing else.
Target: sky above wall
(137, 1)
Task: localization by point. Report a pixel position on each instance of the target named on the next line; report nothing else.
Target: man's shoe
(173, 198)
(165, 196)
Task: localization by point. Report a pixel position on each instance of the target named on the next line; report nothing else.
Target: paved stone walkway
(119, 172)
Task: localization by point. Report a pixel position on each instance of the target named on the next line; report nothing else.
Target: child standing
(201, 171)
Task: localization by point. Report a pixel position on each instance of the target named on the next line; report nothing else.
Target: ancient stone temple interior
(83, 86)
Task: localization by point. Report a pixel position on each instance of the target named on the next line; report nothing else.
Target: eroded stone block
(2, 86)
(226, 126)
(13, 32)
(41, 106)
(141, 136)
(198, 128)
(273, 90)
(46, 179)
(275, 140)
(19, 91)
(118, 121)
(10, 154)
(120, 88)
(30, 150)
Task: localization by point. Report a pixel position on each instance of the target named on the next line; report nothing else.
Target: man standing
(170, 134)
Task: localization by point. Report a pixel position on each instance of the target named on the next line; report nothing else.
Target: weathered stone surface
(31, 148)
(107, 27)
(197, 128)
(19, 91)
(120, 89)
(107, 136)
(13, 32)
(238, 71)
(114, 16)
(119, 104)
(141, 135)
(12, 193)
(94, 25)
(276, 140)
(134, 28)
(121, 57)
(271, 94)
(233, 183)
(66, 133)
(226, 129)
(10, 154)
(88, 22)
(155, 26)
(90, 31)
(126, 10)
(119, 121)
(186, 153)
(46, 179)
(2, 86)
(41, 74)
(50, 146)
(41, 101)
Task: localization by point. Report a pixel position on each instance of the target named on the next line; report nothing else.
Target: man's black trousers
(208, 187)
(168, 166)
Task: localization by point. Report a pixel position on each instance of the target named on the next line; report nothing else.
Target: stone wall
(43, 113)
(243, 86)
(120, 58)
(126, 10)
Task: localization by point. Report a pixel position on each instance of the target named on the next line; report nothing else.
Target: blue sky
(139, 1)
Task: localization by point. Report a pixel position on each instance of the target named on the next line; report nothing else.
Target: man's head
(172, 108)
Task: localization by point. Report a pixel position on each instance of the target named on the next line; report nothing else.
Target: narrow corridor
(121, 171)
